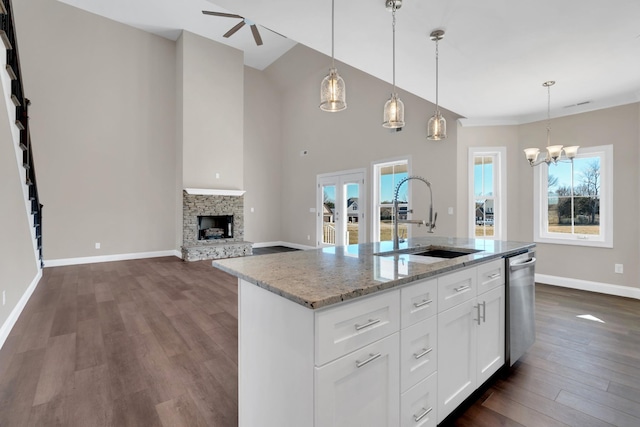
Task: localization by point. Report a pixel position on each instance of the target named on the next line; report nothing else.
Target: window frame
(376, 204)
(499, 155)
(541, 203)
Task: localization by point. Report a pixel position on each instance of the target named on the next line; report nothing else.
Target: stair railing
(9, 39)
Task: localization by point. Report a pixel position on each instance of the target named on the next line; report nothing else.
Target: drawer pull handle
(371, 358)
(423, 302)
(425, 351)
(494, 275)
(371, 322)
(462, 288)
(424, 413)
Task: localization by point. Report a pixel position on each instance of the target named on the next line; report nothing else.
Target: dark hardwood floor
(153, 343)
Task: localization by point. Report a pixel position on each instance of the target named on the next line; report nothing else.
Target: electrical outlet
(4, 298)
(217, 175)
(308, 237)
(450, 211)
(252, 210)
(619, 268)
(97, 245)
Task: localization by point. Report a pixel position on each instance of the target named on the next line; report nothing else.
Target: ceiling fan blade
(256, 34)
(234, 29)
(224, 15)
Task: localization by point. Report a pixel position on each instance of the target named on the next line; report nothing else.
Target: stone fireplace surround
(212, 202)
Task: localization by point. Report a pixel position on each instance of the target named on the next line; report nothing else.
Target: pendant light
(555, 153)
(393, 108)
(332, 89)
(437, 127)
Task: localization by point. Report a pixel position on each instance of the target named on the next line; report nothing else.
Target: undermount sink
(432, 251)
(441, 253)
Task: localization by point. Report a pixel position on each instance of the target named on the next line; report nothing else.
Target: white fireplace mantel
(214, 192)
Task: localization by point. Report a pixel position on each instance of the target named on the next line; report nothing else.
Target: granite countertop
(321, 277)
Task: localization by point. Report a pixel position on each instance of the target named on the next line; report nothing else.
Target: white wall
(103, 124)
(352, 139)
(212, 82)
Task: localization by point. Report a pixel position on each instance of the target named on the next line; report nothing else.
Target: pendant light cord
(333, 64)
(548, 115)
(437, 109)
(393, 26)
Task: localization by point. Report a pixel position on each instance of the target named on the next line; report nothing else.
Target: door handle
(371, 322)
(477, 319)
(423, 302)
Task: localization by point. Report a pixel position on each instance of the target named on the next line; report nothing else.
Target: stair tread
(5, 40)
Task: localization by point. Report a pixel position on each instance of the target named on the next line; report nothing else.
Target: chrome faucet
(396, 217)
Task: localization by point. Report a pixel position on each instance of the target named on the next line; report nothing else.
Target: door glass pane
(352, 193)
(328, 213)
(484, 218)
(487, 176)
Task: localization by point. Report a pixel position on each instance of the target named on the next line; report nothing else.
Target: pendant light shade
(437, 126)
(555, 153)
(333, 92)
(393, 113)
(393, 108)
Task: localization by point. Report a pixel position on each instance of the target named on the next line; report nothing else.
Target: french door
(340, 208)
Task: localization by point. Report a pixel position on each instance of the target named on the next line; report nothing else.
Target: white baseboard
(586, 285)
(107, 258)
(5, 329)
(280, 243)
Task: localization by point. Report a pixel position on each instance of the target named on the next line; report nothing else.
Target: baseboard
(108, 258)
(15, 313)
(280, 243)
(586, 285)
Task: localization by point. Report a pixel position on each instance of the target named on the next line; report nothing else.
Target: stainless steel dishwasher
(520, 316)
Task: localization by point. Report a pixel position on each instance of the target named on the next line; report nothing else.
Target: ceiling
(493, 60)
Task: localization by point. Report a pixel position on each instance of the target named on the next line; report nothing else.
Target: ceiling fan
(232, 31)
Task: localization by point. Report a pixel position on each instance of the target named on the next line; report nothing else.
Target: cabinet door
(361, 388)
(457, 342)
(491, 333)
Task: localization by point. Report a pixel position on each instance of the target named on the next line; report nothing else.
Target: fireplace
(214, 227)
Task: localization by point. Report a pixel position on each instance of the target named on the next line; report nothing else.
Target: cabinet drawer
(490, 275)
(418, 302)
(361, 388)
(456, 288)
(418, 352)
(418, 406)
(347, 327)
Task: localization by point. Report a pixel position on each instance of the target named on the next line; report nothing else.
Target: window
(386, 177)
(574, 200)
(487, 188)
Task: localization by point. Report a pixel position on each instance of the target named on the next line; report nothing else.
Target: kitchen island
(363, 335)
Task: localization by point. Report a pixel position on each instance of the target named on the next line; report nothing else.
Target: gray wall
(618, 126)
(262, 158)
(18, 265)
(352, 139)
(212, 86)
(103, 122)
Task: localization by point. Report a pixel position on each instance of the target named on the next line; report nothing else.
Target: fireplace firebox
(215, 227)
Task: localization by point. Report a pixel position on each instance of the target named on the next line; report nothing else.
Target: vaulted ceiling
(493, 60)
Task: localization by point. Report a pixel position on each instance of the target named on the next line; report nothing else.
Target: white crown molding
(214, 192)
(587, 285)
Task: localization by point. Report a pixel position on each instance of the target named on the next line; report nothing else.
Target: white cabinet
(403, 357)
(491, 333)
(457, 340)
(418, 404)
(471, 338)
(361, 388)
